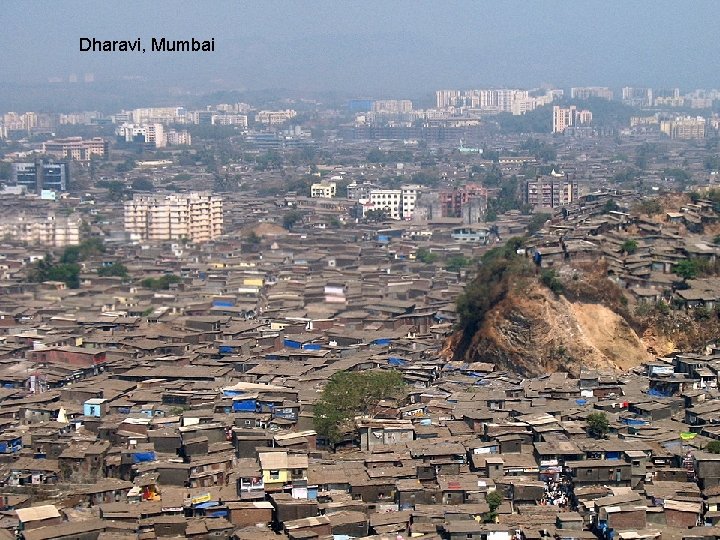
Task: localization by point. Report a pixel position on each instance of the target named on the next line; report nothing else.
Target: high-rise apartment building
(196, 216)
(564, 118)
(41, 174)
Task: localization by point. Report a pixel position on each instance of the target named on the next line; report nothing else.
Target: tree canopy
(353, 393)
(161, 283)
(598, 424)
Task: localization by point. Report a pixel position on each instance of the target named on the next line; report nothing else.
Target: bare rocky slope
(533, 332)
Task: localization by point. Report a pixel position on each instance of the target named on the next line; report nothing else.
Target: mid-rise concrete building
(357, 191)
(389, 200)
(76, 148)
(40, 174)
(552, 191)
(196, 216)
(273, 118)
(152, 134)
(49, 230)
(684, 128)
(179, 138)
(564, 118)
(410, 194)
(323, 190)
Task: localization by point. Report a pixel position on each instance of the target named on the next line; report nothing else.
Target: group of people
(557, 493)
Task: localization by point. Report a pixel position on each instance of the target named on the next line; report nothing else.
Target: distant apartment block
(409, 197)
(687, 127)
(41, 174)
(49, 230)
(152, 134)
(197, 217)
(153, 115)
(397, 203)
(468, 201)
(668, 97)
(637, 97)
(76, 148)
(396, 106)
(587, 92)
(493, 100)
(323, 190)
(357, 191)
(552, 191)
(564, 118)
(389, 200)
(179, 138)
(273, 118)
(239, 120)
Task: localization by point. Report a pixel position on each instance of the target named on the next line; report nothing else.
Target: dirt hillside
(534, 332)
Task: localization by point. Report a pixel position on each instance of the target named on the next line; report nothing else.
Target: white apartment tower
(410, 194)
(197, 217)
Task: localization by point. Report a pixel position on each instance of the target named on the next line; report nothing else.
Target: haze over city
(370, 47)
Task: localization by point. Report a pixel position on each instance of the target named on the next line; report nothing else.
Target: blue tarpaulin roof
(142, 457)
(208, 504)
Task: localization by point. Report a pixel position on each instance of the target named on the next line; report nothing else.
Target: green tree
(254, 239)
(536, 222)
(161, 283)
(291, 218)
(376, 156)
(456, 263)
(426, 256)
(352, 393)
(494, 500)
(143, 184)
(125, 166)
(629, 246)
(114, 270)
(376, 215)
(48, 270)
(598, 424)
(610, 206)
(71, 254)
(551, 280)
(687, 269)
(713, 447)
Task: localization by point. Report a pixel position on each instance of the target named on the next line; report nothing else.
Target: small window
(274, 475)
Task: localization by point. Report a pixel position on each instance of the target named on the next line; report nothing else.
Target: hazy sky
(373, 47)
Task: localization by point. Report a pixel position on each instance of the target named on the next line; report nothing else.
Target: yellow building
(281, 468)
(323, 190)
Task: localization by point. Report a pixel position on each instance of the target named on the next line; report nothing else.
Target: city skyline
(372, 47)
